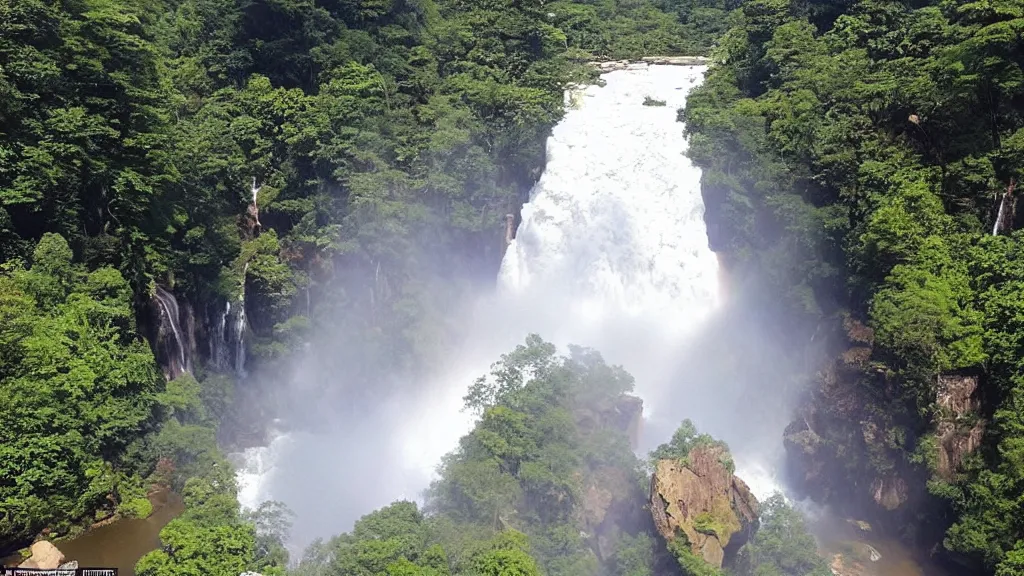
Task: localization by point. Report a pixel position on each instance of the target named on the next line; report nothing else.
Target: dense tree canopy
(522, 494)
(74, 331)
(855, 158)
(322, 163)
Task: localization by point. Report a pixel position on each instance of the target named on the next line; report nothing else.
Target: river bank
(119, 544)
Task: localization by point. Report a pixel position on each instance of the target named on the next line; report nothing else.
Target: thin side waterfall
(221, 354)
(1007, 208)
(612, 253)
(239, 326)
(179, 361)
(999, 217)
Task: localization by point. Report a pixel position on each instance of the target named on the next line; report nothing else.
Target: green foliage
(135, 508)
(273, 521)
(133, 498)
(635, 555)
(685, 439)
(518, 495)
(521, 465)
(782, 545)
(510, 499)
(690, 563)
(854, 155)
(78, 385)
(332, 163)
(213, 536)
(392, 540)
(707, 524)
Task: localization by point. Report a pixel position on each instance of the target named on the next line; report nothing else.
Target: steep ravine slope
(611, 253)
(860, 167)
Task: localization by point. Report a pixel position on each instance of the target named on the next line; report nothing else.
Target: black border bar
(58, 572)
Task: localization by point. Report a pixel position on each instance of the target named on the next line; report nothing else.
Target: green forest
(855, 158)
(333, 163)
(323, 163)
(522, 493)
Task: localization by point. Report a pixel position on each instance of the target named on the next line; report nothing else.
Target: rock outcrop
(699, 499)
(959, 431)
(850, 443)
(839, 449)
(45, 556)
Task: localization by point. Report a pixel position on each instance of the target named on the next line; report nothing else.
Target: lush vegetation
(333, 163)
(546, 483)
(524, 482)
(75, 331)
(782, 546)
(685, 439)
(855, 156)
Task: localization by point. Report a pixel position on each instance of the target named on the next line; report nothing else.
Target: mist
(612, 254)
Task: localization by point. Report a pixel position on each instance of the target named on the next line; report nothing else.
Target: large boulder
(699, 499)
(45, 556)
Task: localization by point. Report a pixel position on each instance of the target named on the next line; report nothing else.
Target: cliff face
(701, 501)
(612, 497)
(852, 442)
(843, 448)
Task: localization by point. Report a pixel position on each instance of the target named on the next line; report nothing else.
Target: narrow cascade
(238, 334)
(999, 217)
(612, 253)
(220, 354)
(178, 353)
(227, 338)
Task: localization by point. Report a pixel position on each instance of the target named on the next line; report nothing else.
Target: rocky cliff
(612, 497)
(698, 499)
(856, 445)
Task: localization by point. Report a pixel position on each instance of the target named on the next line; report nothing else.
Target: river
(122, 543)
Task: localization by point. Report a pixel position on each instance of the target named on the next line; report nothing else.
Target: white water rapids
(612, 253)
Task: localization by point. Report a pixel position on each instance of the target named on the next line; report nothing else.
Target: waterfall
(1007, 208)
(238, 334)
(227, 338)
(220, 356)
(178, 355)
(612, 253)
(999, 216)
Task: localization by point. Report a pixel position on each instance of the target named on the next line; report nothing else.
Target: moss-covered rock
(698, 500)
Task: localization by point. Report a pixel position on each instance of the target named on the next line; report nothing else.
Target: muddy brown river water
(866, 553)
(122, 543)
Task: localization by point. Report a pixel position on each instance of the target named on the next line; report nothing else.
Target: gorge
(611, 254)
(354, 242)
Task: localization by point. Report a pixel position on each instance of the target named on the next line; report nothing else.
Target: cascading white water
(999, 216)
(239, 325)
(171, 317)
(612, 253)
(219, 354)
